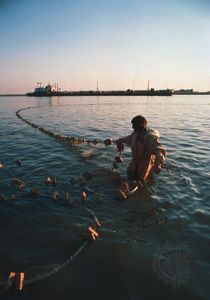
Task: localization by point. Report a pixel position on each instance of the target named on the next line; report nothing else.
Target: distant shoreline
(61, 94)
(190, 94)
(12, 95)
(44, 92)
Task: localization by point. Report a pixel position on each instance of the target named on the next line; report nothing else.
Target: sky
(119, 43)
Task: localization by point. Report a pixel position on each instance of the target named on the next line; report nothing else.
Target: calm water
(153, 246)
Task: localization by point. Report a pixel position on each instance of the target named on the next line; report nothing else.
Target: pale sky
(77, 42)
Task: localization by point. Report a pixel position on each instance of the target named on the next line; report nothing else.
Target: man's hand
(157, 168)
(120, 146)
(118, 159)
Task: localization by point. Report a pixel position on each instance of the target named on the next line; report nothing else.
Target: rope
(54, 270)
(69, 141)
(60, 267)
(61, 138)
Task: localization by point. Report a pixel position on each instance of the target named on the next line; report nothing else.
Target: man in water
(148, 155)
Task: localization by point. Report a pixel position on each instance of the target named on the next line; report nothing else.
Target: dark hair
(138, 121)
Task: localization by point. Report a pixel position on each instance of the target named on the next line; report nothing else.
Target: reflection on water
(174, 210)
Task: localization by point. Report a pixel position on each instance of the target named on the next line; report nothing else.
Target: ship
(40, 90)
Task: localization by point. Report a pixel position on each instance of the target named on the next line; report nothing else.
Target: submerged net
(100, 184)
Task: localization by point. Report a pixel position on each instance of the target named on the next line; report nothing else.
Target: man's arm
(126, 140)
(158, 151)
(160, 155)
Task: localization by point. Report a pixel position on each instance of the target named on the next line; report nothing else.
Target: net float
(56, 195)
(19, 278)
(18, 162)
(108, 142)
(84, 196)
(94, 234)
(11, 278)
(48, 180)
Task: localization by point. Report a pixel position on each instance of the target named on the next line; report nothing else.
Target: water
(153, 246)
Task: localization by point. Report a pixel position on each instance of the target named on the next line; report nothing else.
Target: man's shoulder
(153, 132)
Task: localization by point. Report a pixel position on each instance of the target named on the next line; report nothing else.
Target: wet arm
(124, 140)
(159, 152)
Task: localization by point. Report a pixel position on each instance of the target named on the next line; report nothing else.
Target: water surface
(153, 246)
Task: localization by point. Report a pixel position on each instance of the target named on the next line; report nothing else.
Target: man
(148, 155)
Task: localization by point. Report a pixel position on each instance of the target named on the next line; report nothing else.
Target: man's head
(139, 123)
